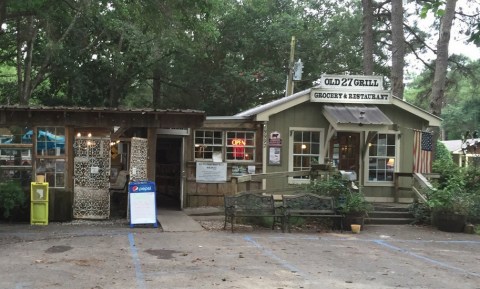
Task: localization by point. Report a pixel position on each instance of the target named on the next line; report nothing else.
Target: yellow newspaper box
(39, 204)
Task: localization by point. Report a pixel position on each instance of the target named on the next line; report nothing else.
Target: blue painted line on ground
(271, 255)
(22, 285)
(429, 260)
(136, 262)
(373, 240)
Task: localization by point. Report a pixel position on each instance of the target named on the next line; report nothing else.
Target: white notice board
(141, 197)
(211, 172)
(142, 208)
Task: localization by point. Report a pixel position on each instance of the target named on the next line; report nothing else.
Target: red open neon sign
(239, 147)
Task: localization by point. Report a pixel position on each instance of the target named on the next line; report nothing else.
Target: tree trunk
(398, 49)
(367, 25)
(438, 89)
(19, 45)
(31, 34)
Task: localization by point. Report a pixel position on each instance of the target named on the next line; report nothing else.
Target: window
(208, 142)
(50, 160)
(304, 149)
(240, 146)
(382, 157)
(15, 154)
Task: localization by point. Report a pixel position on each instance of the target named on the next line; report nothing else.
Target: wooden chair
(121, 183)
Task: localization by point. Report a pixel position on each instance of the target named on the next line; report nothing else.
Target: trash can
(39, 203)
(142, 204)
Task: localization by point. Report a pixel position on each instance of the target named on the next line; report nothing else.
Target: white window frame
(250, 146)
(292, 180)
(195, 144)
(396, 161)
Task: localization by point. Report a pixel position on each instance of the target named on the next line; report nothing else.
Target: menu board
(141, 196)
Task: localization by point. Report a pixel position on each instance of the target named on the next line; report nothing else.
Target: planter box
(449, 222)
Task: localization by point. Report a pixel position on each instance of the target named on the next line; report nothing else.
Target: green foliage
(354, 204)
(475, 35)
(434, 6)
(457, 190)
(442, 153)
(460, 112)
(218, 56)
(11, 196)
(347, 201)
(451, 199)
(421, 213)
(447, 170)
(334, 186)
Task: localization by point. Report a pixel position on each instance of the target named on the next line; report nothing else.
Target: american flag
(422, 152)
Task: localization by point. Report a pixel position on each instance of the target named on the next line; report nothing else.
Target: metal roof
(99, 109)
(356, 114)
(265, 110)
(272, 104)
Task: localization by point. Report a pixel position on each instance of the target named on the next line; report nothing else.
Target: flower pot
(40, 178)
(355, 228)
(449, 222)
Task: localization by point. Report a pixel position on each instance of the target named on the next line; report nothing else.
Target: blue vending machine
(142, 203)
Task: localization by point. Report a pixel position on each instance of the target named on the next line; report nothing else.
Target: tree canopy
(221, 56)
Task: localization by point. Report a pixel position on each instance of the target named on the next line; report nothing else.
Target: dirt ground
(98, 255)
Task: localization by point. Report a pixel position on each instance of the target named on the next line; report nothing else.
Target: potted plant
(450, 201)
(355, 208)
(450, 206)
(349, 202)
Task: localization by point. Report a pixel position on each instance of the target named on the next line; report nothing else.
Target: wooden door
(344, 151)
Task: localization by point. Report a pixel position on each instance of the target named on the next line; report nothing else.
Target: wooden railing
(420, 182)
(258, 178)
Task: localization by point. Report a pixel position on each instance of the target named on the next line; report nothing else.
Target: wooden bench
(250, 205)
(121, 183)
(310, 205)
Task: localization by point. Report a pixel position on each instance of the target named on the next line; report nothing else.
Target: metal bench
(251, 205)
(310, 205)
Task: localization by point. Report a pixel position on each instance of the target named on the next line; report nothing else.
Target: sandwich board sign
(141, 197)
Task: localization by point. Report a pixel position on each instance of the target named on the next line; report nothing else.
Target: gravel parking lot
(113, 255)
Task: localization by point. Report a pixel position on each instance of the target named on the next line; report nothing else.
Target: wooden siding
(304, 115)
(200, 194)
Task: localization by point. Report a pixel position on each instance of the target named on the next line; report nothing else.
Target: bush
(457, 191)
(347, 201)
(11, 196)
(334, 186)
(421, 213)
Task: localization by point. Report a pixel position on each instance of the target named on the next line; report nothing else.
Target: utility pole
(289, 90)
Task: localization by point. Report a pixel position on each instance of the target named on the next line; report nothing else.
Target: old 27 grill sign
(351, 89)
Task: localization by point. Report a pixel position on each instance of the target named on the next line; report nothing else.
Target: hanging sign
(275, 139)
(352, 82)
(364, 89)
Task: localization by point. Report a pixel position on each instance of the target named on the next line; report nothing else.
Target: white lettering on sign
(359, 82)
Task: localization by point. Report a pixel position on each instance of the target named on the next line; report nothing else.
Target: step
(388, 221)
(390, 214)
(393, 207)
